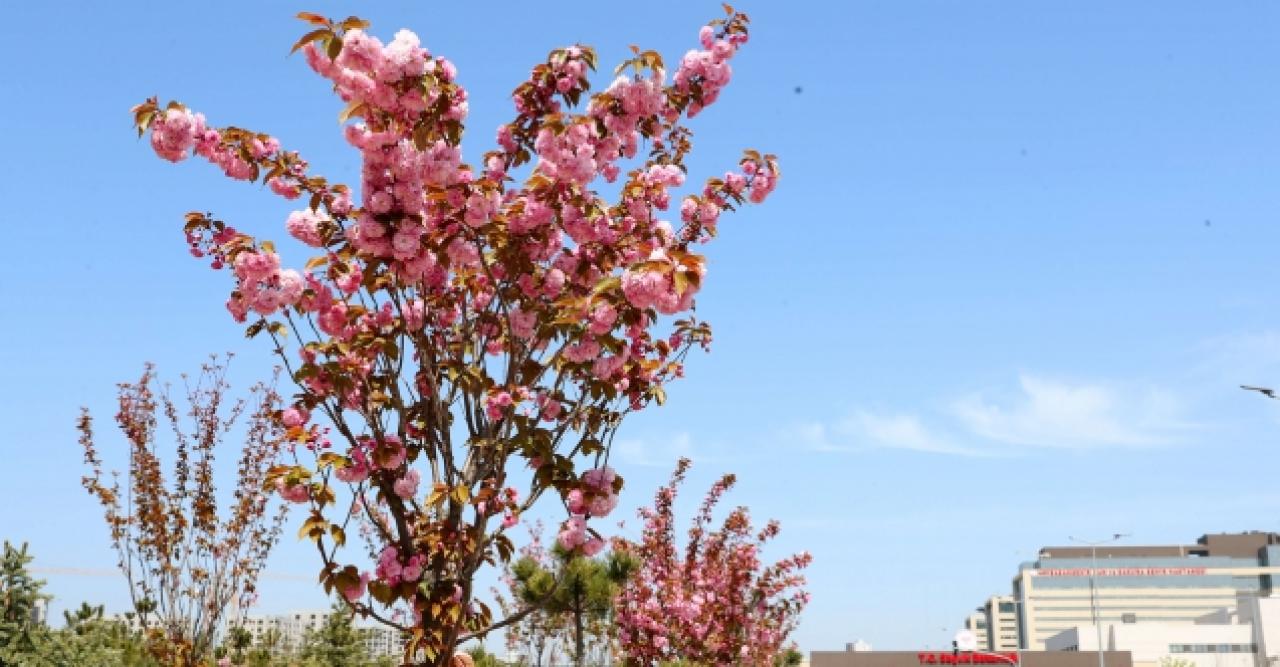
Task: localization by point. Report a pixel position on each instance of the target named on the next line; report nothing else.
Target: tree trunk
(579, 655)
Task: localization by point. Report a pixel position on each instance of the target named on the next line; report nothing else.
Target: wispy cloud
(865, 430)
(1052, 413)
(900, 431)
(1039, 413)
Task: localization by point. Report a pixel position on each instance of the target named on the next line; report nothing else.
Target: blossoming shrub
(712, 601)
(457, 323)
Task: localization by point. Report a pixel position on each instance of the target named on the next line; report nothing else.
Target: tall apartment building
(290, 630)
(976, 623)
(1133, 584)
(995, 624)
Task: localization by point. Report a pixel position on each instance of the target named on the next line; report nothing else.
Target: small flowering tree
(712, 602)
(456, 319)
(184, 562)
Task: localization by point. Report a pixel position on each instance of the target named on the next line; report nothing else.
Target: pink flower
(523, 323)
(495, 404)
(550, 407)
(407, 487)
(295, 416)
(284, 188)
(174, 133)
(355, 591)
(592, 547)
(573, 533)
(305, 226)
(395, 452)
(602, 318)
(413, 571)
(553, 282)
(294, 493)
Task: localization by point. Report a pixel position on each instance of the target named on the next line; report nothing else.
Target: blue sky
(1021, 257)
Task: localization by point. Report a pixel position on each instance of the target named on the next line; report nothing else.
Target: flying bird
(1269, 393)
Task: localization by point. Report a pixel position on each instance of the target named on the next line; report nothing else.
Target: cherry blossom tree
(471, 336)
(712, 602)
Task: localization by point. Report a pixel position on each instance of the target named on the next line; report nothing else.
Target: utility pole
(1094, 602)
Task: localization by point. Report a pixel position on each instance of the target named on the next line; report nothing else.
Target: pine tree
(20, 601)
(337, 642)
(579, 590)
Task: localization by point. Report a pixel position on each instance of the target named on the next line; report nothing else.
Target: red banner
(1122, 572)
(966, 658)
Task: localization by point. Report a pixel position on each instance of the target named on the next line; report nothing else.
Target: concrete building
(1141, 584)
(1246, 634)
(995, 624)
(976, 623)
(290, 631)
(40, 612)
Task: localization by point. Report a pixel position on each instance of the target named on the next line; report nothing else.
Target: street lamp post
(1094, 602)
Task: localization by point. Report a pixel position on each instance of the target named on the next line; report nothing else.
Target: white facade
(1245, 634)
(1058, 591)
(976, 623)
(995, 624)
(292, 629)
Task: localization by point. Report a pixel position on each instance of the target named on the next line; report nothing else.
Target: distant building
(976, 623)
(995, 624)
(40, 612)
(1141, 584)
(1244, 635)
(288, 632)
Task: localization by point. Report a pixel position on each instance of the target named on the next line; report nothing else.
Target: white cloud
(899, 431)
(1050, 413)
(864, 430)
(1040, 413)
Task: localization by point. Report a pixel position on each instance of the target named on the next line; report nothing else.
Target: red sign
(1122, 572)
(966, 658)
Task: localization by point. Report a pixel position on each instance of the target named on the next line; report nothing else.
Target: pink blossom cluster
(305, 226)
(393, 569)
(175, 132)
(356, 590)
(387, 77)
(653, 284)
(356, 470)
(763, 181)
(707, 69)
(294, 493)
(295, 416)
(595, 498)
(261, 286)
(625, 104)
(574, 536)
